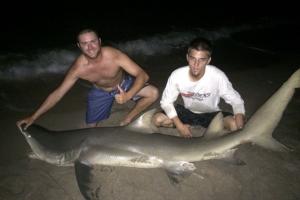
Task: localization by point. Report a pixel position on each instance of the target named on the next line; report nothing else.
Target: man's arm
(232, 97)
(169, 96)
(51, 100)
(141, 77)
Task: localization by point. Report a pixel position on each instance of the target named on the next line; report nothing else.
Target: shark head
(24, 131)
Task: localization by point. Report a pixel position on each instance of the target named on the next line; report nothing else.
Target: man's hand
(122, 97)
(185, 130)
(28, 121)
(239, 120)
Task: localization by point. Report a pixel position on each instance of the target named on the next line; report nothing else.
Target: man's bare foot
(125, 122)
(161, 120)
(168, 125)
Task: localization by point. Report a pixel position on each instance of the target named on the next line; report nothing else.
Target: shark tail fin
(261, 125)
(144, 122)
(295, 78)
(215, 128)
(268, 142)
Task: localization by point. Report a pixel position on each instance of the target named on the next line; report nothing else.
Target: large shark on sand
(125, 146)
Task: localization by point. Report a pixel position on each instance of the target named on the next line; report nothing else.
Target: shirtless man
(114, 77)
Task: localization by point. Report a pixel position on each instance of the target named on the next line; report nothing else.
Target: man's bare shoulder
(77, 64)
(81, 59)
(111, 51)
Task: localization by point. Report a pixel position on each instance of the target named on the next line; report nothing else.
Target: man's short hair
(87, 30)
(201, 44)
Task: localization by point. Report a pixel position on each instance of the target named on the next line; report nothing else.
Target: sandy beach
(267, 175)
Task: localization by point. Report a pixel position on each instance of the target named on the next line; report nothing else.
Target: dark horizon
(30, 26)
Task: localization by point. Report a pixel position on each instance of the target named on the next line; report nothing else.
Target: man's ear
(209, 60)
(78, 45)
(100, 41)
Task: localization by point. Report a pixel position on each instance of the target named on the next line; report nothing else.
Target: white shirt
(200, 96)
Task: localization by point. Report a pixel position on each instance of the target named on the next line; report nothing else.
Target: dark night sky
(25, 21)
(43, 15)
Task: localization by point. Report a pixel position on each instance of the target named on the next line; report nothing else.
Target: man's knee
(153, 93)
(149, 92)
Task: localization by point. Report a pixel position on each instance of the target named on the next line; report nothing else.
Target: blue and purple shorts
(99, 102)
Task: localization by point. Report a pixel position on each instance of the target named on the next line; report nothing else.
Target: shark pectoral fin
(268, 142)
(84, 176)
(177, 171)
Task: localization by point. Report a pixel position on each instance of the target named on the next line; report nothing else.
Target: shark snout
(23, 130)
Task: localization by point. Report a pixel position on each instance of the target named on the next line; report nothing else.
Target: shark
(129, 147)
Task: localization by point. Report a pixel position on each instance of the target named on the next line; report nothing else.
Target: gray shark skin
(122, 146)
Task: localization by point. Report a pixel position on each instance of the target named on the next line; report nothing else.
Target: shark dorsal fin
(144, 123)
(215, 128)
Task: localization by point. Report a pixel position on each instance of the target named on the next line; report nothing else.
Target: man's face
(89, 44)
(197, 61)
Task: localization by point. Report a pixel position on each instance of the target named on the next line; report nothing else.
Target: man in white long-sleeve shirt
(201, 86)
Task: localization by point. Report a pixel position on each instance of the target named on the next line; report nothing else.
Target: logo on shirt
(195, 96)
